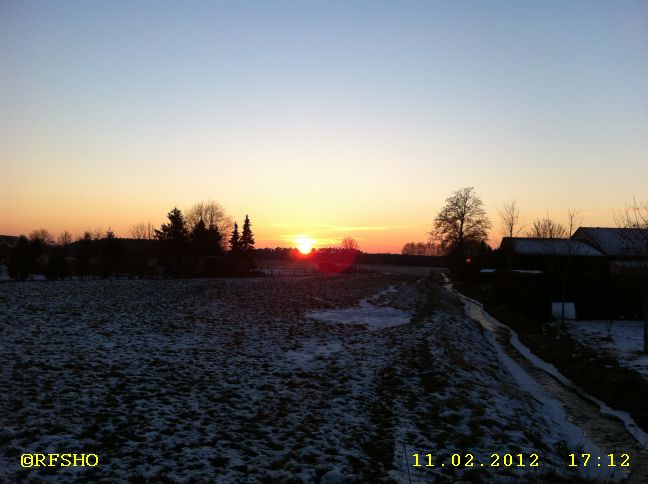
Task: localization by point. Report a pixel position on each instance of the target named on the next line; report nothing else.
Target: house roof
(537, 246)
(9, 240)
(615, 242)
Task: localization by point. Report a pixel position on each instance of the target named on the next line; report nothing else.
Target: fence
(288, 271)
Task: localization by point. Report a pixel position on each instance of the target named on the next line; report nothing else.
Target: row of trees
(188, 242)
(429, 248)
(195, 244)
(40, 254)
(461, 227)
(544, 228)
(212, 214)
(462, 224)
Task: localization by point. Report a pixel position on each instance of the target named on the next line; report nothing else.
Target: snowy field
(263, 380)
(622, 340)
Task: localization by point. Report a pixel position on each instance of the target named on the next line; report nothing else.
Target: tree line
(460, 229)
(205, 242)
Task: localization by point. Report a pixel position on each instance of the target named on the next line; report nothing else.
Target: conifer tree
(235, 240)
(247, 237)
(175, 230)
(174, 237)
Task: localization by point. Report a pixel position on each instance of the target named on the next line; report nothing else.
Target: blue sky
(320, 117)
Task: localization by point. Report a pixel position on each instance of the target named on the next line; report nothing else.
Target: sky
(319, 118)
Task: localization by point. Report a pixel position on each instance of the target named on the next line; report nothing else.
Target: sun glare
(304, 244)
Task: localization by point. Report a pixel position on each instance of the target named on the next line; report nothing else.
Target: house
(550, 256)
(7, 242)
(600, 269)
(625, 249)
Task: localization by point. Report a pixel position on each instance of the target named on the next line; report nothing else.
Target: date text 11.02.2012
(468, 460)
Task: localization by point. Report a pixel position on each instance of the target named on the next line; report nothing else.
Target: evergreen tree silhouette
(175, 230)
(235, 240)
(174, 237)
(247, 237)
(247, 247)
(234, 254)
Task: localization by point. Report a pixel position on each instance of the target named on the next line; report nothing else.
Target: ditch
(608, 433)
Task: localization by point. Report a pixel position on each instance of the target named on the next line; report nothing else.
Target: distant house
(625, 250)
(7, 242)
(600, 269)
(550, 255)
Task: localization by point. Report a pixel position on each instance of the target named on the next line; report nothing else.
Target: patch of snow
(366, 313)
(623, 340)
(375, 317)
(333, 477)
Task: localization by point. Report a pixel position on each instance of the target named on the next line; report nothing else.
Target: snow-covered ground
(368, 312)
(263, 380)
(622, 340)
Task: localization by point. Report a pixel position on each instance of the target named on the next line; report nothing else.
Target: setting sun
(304, 244)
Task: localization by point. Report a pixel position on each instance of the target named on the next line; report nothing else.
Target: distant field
(294, 267)
(392, 269)
(260, 380)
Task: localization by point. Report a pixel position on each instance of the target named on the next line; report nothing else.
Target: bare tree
(574, 220)
(546, 228)
(42, 235)
(461, 221)
(349, 243)
(409, 249)
(420, 248)
(142, 230)
(510, 217)
(64, 238)
(635, 216)
(97, 233)
(213, 215)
